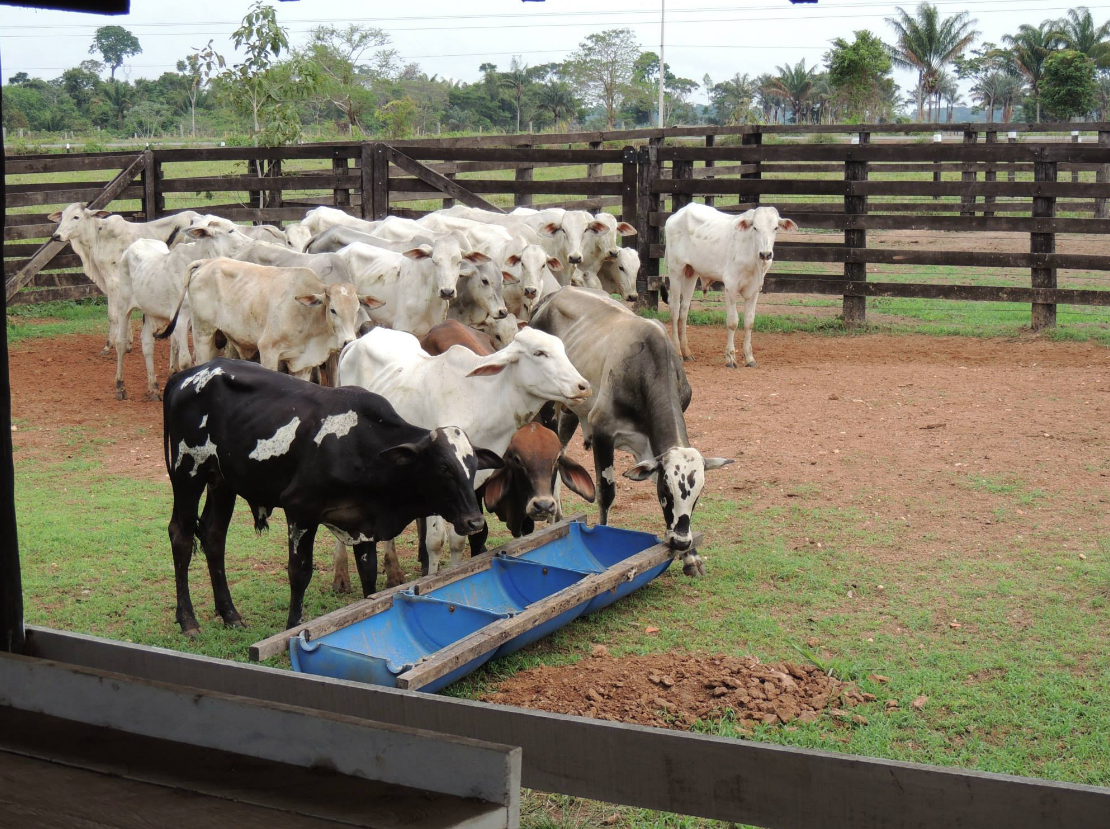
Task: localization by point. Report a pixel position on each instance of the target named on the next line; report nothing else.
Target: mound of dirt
(676, 690)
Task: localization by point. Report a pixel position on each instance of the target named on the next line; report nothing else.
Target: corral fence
(837, 181)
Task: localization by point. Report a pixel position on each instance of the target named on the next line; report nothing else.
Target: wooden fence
(976, 182)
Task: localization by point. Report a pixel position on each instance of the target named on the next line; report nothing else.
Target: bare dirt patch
(679, 690)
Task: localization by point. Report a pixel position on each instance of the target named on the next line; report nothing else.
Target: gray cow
(640, 394)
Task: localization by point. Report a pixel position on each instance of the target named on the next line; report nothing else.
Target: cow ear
(554, 264)
(716, 463)
(56, 216)
(521, 325)
(496, 488)
(549, 229)
(643, 470)
(625, 229)
(789, 225)
(401, 455)
(487, 370)
(597, 227)
(311, 300)
(488, 459)
(746, 220)
(576, 478)
(512, 260)
(475, 257)
(371, 301)
(508, 278)
(102, 214)
(422, 252)
(198, 232)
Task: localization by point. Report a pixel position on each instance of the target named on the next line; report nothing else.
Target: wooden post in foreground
(855, 307)
(646, 234)
(710, 140)
(1044, 207)
(1102, 176)
(990, 175)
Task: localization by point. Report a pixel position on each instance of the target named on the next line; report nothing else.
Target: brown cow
(523, 491)
(452, 332)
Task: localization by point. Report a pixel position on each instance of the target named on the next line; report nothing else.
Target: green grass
(56, 319)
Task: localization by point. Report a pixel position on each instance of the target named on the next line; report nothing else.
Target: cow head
(626, 265)
(75, 221)
(485, 284)
(216, 240)
(764, 224)
(532, 462)
(298, 235)
(446, 465)
(679, 478)
(445, 257)
(341, 304)
(502, 331)
(571, 229)
(543, 368)
(528, 267)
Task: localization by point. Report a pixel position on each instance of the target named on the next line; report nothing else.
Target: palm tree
(118, 96)
(795, 84)
(516, 80)
(1029, 49)
(927, 43)
(769, 99)
(1079, 32)
(732, 98)
(555, 97)
(947, 90)
(1102, 97)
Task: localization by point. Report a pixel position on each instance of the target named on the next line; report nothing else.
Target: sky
(451, 38)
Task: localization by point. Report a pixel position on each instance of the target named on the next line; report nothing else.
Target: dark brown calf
(452, 332)
(523, 491)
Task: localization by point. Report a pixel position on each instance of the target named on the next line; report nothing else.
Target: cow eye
(485, 281)
(540, 354)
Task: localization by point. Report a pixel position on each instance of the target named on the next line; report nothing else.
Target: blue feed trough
(438, 629)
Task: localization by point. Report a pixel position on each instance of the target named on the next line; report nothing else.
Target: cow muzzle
(575, 259)
(581, 391)
(631, 297)
(446, 293)
(541, 508)
(531, 293)
(766, 255)
(501, 313)
(55, 238)
(470, 526)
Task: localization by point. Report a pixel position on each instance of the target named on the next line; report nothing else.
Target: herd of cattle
(444, 349)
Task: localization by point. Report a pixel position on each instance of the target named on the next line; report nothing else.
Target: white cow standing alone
(737, 250)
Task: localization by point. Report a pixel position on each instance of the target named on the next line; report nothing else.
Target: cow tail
(664, 292)
(164, 333)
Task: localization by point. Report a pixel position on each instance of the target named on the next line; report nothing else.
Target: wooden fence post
(968, 176)
(647, 203)
(522, 199)
(1075, 168)
(1011, 174)
(629, 172)
(681, 171)
(379, 181)
(366, 171)
(273, 197)
(855, 307)
(710, 140)
(990, 175)
(1102, 176)
(447, 200)
(150, 187)
(752, 139)
(1044, 207)
(341, 196)
(594, 170)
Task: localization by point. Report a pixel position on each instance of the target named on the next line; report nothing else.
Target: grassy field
(1024, 698)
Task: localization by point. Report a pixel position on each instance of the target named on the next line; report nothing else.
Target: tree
(948, 90)
(603, 66)
(339, 54)
(859, 76)
(927, 43)
(114, 43)
(516, 80)
(398, 117)
(118, 97)
(557, 99)
(19, 79)
(731, 99)
(1028, 51)
(795, 84)
(148, 118)
(1069, 87)
(1102, 97)
(1079, 32)
(80, 85)
(201, 64)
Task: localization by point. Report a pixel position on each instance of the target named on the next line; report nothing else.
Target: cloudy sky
(451, 38)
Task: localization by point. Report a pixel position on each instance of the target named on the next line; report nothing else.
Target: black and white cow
(640, 394)
(342, 458)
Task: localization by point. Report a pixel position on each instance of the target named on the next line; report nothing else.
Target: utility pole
(662, 63)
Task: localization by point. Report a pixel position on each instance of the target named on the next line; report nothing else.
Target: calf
(737, 250)
(341, 458)
(285, 315)
(641, 394)
(100, 239)
(152, 280)
(524, 490)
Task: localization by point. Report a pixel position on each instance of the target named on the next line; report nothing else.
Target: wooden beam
(49, 249)
(441, 182)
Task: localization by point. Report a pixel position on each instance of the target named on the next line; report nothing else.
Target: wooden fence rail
(1043, 185)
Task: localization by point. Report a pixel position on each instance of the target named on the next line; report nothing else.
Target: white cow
(152, 280)
(319, 219)
(298, 235)
(737, 250)
(618, 273)
(493, 396)
(99, 238)
(260, 233)
(416, 286)
(285, 315)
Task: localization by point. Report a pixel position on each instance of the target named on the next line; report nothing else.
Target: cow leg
(478, 541)
(434, 539)
(212, 532)
(366, 561)
(341, 580)
(686, 296)
(603, 469)
(568, 422)
(394, 575)
(204, 344)
(675, 304)
(183, 524)
(732, 318)
(121, 349)
(180, 358)
(458, 547)
(147, 338)
(114, 326)
(302, 534)
(749, 321)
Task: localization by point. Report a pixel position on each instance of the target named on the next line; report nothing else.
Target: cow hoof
(154, 396)
(730, 364)
(121, 393)
(341, 585)
(693, 566)
(191, 633)
(752, 364)
(235, 622)
(105, 352)
(392, 579)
